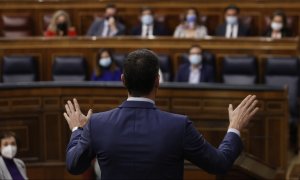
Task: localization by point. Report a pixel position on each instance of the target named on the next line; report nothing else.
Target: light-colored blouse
(183, 32)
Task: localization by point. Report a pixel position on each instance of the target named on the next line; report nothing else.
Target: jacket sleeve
(210, 74)
(93, 29)
(79, 150)
(204, 155)
(121, 29)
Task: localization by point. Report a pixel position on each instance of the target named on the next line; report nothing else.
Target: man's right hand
(74, 116)
(240, 117)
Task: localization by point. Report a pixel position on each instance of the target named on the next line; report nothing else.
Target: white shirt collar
(140, 99)
(146, 28)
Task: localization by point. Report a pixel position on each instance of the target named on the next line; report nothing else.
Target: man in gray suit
(108, 26)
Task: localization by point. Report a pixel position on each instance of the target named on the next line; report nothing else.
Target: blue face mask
(105, 62)
(195, 59)
(147, 19)
(191, 18)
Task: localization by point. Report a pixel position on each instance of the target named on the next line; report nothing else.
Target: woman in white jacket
(190, 27)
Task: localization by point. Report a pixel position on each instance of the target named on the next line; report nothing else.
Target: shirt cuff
(75, 128)
(234, 131)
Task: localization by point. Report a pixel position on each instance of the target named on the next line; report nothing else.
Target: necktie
(231, 33)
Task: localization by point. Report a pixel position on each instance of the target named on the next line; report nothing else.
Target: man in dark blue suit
(138, 141)
(232, 28)
(195, 71)
(149, 26)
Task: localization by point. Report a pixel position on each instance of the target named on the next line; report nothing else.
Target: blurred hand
(112, 22)
(240, 117)
(74, 116)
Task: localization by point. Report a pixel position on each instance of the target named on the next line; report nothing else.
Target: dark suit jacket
(97, 27)
(207, 73)
(242, 30)
(138, 141)
(158, 30)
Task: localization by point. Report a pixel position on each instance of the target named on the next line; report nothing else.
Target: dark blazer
(138, 141)
(242, 30)
(158, 30)
(207, 73)
(284, 32)
(97, 27)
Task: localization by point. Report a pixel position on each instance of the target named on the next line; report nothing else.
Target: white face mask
(231, 19)
(195, 59)
(9, 151)
(276, 26)
(105, 62)
(147, 19)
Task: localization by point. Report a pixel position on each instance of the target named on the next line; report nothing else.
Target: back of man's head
(140, 72)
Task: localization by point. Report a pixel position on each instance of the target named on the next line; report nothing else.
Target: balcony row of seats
(235, 70)
(189, 24)
(238, 70)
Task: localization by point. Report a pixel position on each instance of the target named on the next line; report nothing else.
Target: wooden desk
(45, 49)
(34, 112)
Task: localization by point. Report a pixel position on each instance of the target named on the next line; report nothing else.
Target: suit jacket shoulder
(183, 73)
(96, 27)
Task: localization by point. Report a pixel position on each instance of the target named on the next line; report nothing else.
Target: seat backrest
(17, 25)
(284, 72)
(19, 69)
(69, 68)
(239, 70)
(119, 59)
(165, 66)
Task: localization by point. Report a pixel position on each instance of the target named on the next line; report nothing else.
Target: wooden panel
(53, 137)
(27, 128)
(45, 134)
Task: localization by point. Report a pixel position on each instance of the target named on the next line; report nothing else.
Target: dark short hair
(195, 46)
(110, 5)
(101, 51)
(7, 134)
(281, 14)
(140, 72)
(232, 6)
(146, 8)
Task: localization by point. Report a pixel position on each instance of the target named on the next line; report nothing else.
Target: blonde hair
(56, 15)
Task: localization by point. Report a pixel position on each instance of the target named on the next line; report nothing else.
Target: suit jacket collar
(137, 104)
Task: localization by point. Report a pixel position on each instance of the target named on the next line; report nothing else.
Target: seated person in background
(108, 26)
(60, 25)
(10, 167)
(190, 27)
(232, 28)
(278, 27)
(106, 68)
(149, 26)
(195, 71)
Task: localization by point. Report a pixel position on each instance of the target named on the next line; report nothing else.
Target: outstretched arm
(79, 152)
(219, 161)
